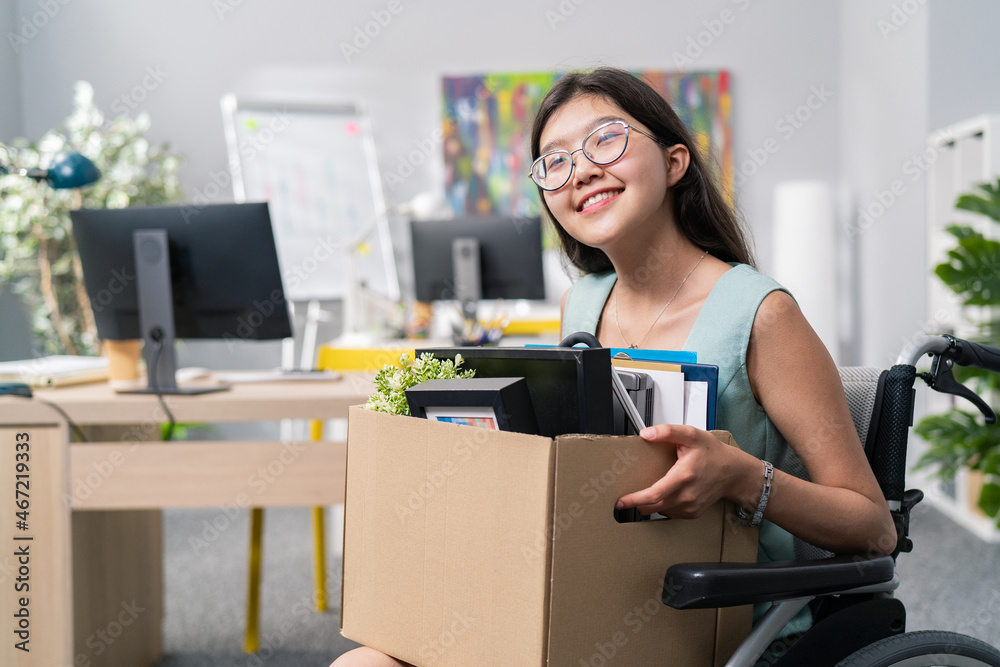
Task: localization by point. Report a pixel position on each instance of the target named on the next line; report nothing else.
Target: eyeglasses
(604, 145)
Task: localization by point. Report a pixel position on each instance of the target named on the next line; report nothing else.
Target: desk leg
(35, 587)
(118, 587)
(117, 577)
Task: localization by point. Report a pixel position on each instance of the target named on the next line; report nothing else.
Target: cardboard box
(464, 546)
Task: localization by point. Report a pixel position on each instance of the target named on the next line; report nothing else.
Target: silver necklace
(662, 310)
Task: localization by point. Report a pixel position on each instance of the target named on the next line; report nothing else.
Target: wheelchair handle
(961, 352)
(978, 355)
(948, 351)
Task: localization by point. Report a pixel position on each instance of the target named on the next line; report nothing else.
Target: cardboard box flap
(447, 530)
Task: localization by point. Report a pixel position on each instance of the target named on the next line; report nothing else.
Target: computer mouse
(191, 373)
(15, 388)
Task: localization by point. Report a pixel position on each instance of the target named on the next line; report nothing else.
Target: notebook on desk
(55, 370)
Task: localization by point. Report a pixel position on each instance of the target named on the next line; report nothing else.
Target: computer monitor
(165, 272)
(570, 388)
(474, 258)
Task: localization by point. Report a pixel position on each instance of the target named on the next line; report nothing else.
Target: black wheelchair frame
(857, 621)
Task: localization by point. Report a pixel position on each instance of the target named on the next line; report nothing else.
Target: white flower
(395, 381)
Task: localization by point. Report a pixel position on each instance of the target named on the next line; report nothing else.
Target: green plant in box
(958, 439)
(392, 382)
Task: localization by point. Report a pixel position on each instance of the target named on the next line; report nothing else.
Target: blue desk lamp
(68, 170)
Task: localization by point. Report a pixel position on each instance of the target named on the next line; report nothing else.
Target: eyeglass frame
(572, 156)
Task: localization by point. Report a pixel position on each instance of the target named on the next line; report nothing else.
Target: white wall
(884, 122)
(10, 81)
(775, 51)
(885, 88)
(963, 61)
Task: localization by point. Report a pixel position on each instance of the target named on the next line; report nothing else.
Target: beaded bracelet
(743, 515)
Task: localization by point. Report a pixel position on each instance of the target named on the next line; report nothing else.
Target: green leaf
(973, 270)
(984, 199)
(989, 499)
(956, 439)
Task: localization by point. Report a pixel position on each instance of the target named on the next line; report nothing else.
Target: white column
(804, 254)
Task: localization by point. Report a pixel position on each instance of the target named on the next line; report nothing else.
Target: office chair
(857, 621)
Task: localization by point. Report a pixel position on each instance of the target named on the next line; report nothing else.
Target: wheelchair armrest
(711, 585)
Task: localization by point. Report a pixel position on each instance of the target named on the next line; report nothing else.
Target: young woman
(668, 266)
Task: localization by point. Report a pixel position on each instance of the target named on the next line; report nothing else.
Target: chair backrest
(865, 389)
(881, 404)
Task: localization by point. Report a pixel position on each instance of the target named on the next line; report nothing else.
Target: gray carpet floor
(951, 581)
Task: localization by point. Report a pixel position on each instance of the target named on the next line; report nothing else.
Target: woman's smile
(598, 200)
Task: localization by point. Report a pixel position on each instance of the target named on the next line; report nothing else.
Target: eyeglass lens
(602, 146)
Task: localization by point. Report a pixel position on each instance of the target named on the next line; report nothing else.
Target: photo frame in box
(500, 404)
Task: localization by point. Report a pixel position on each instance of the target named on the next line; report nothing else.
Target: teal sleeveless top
(720, 337)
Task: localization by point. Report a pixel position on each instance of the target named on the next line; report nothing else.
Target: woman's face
(603, 204)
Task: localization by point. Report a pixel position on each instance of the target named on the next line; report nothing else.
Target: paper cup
(123, 363)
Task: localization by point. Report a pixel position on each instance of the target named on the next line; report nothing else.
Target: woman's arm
(796, 382)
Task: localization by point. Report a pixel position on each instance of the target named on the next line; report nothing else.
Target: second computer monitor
(509, 258)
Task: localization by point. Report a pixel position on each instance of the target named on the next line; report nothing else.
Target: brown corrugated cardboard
(472, 547)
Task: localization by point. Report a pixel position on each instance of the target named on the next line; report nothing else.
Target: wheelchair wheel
(925, 649)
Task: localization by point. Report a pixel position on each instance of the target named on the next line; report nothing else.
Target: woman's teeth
(600, 196)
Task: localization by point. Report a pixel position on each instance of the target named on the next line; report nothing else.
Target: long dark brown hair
(701, 212)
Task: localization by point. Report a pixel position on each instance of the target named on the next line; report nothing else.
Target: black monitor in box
(569, 387)
(165, 272)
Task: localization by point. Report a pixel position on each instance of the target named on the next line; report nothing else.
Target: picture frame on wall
(498, 404)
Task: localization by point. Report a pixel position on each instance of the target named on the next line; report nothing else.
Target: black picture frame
(470, 401)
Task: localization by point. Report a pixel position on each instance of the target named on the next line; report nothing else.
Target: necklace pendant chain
(635, 346)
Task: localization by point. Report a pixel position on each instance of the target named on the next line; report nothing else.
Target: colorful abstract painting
(487, 133)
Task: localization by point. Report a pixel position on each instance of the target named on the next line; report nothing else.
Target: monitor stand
(156, 315)
(467, 273)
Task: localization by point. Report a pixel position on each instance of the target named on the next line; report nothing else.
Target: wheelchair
(857, 621)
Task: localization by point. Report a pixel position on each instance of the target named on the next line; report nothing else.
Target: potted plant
(958, 439)
(38, 259)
